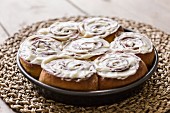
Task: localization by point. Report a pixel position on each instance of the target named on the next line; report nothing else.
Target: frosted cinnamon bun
(104, 27)
(61, 31)
(136, 43)
(34, 49)
(118, 69)
(86, 48)
(69, 74)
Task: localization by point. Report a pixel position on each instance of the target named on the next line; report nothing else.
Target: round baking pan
(89, 98)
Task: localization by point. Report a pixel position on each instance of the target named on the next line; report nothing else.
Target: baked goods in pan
(117, 69)
(34, 49)
(86, 48)
(99, 26)
(136, 43)
(62, 31)
(69, 74)
(89, 55)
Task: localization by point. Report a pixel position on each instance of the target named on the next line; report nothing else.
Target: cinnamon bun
(62, 31)
(136, 43)
(86, 48)
(104, 27)
(34, 49)
(118, 69)
(69, 74)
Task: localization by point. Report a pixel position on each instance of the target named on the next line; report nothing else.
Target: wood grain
(154, 12)
(14, 14)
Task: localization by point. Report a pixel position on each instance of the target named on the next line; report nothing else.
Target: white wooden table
(14, 14)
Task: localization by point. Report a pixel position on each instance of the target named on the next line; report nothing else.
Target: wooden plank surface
(154, 12)
(16, 13)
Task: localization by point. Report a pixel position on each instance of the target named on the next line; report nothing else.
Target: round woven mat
(20, 95)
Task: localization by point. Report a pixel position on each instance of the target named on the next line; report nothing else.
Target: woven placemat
(20, 95)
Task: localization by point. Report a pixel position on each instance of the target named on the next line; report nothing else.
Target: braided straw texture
(20, 95)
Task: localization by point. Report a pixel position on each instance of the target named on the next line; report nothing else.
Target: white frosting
(117, 65)
(62, 30)
(85, 48)
(35, 48)
(68, 68)
(98, 26)
(132, 42)
(43, 31)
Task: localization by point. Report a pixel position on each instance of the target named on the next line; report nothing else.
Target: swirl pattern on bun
(85, 48)
(117, 65)
(98, 27)
(62, 31)
(133, 43)
(68, 68)
(35, 48)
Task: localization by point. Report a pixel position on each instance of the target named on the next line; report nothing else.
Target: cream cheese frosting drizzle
(117, 65)
(133, 43)
(85, 48)
(35, 48)
(98, 26)
(68, 68)
(62, 30)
